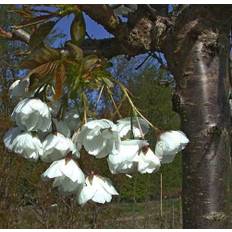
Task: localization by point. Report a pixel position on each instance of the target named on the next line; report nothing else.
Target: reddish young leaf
(59, 76)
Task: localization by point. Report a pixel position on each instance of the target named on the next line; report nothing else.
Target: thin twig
(56, 13)
(143, 62)
(125, 90)
(137, 111)
(115, 106)
(100, 94)
(160, 60)
(161, 195)
(173, 214)
(120, 105)
(88, 36)
(4, 34)
(140, 128)
(29, 24)
(85, 108)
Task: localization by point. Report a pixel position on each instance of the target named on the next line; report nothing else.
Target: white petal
(123, 162)
(86, 194)
(80, 137)
(99, 190)
(102, 123)
(10, 135)
(139, 125)
(56, 146)
(73, 172)
(107, 185)
(163, 153)
(93, 145)
(99, 138)
(27, 145)
(169, 144)
(148, 162)
(63, 168)
(101, 195)
(32, 115)
(54, 170)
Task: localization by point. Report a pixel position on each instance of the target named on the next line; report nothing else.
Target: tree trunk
(201, 72)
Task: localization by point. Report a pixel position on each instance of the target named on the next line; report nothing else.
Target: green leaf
(77, 29)
(108, 82)
(41, 33)
(90, 62)
(75, 51)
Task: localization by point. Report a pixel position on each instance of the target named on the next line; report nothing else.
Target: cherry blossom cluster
(39, 135)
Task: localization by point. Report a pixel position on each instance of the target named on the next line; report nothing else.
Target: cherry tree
(196, 45)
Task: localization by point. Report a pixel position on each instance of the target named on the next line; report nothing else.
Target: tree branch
(4, 34)
(141, 34)
(103, 15)
(158, 9)
(18, 34)
(22, 35)
(104, 47)
(107, 48)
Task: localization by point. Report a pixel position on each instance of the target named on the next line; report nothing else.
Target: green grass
(115, 215)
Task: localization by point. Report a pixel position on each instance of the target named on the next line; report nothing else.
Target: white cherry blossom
(26, 144)
(147, 161)
(169, 144)
(123, 162)
(96, 188)
(134, 155)
(32, 114)
(65, 167)
(99, 138)
(9, 137)
(56, 146)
